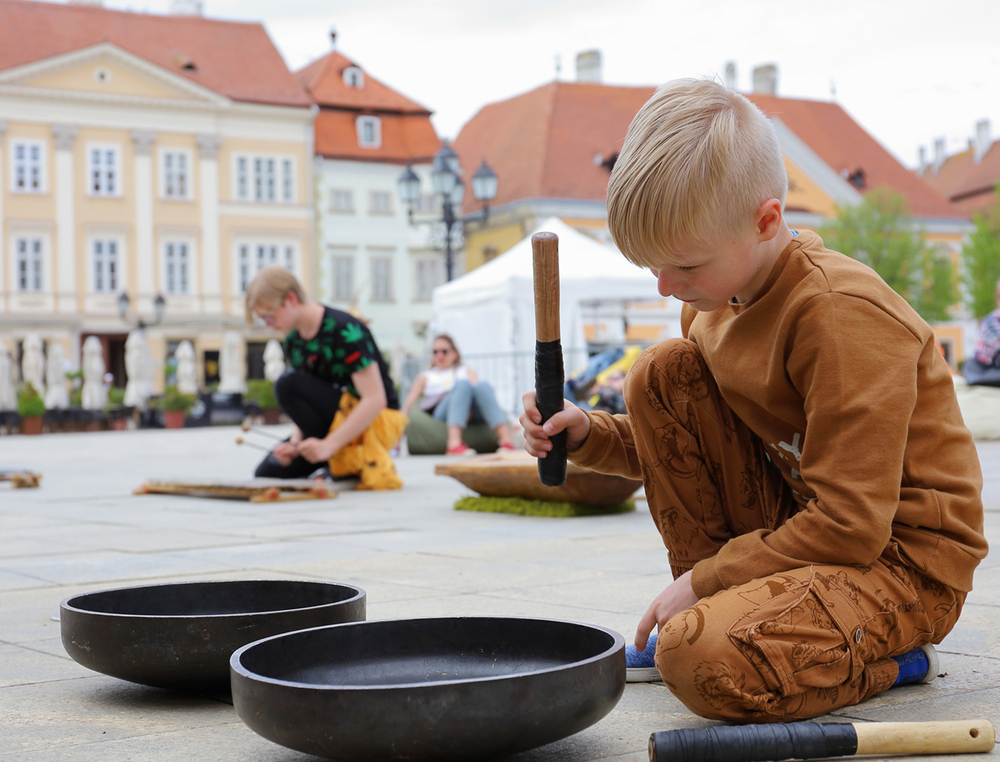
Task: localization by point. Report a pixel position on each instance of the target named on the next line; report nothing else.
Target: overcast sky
(907, 70)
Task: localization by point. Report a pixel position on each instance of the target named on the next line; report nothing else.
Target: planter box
(174, 419)
(31, 424)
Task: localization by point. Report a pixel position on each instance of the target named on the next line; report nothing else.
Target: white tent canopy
(490, 311)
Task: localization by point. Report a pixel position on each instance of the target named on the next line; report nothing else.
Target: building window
(29, 264)
(354, 77)
(343, 278)
(105, 258)
(177, 267)
(379, 202)
(254, 257)
(287, 181)
(369, 131)
(428, 275)
(176, 175)
(341, 201)
(28, 166)
(266, 179)
(382, 290)
(103, 170)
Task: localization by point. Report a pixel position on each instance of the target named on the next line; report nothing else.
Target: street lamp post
(446, 178)
(159, 306)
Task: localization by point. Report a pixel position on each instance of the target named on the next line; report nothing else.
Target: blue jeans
(467, 403)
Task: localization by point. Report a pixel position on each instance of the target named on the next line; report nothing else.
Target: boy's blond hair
(697, 162)
(270, 286)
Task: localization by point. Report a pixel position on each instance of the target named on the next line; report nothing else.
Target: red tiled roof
(323, 79)
(404, 137)
(969, 185)
(235, 59)
(543, 143)
(407, 132)
(844, 145)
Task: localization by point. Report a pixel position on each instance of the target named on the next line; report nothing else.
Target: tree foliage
(881, 233)
(981, 255)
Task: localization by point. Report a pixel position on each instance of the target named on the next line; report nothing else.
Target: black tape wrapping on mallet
(754, 743)
(549, 382)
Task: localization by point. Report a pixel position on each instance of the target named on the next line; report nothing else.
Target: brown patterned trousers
(789, 646)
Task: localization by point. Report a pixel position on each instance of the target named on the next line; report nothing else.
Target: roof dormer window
(354, 77)
(369, 131)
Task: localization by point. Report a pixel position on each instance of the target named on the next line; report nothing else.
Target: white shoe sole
(933, 663)
(642, 675)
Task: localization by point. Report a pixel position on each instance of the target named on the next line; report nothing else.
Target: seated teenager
(337, 385)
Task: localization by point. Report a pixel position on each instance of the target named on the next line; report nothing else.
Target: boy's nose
(666, 283)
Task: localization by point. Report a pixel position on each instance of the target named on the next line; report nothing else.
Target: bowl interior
(419, 651)
(213, 598)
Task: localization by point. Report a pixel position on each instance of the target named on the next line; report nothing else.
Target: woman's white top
(439, 381)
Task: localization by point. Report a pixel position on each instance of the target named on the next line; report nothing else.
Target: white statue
(94, 394)
(33, 363)
(138, 370)
(56, 395)
(187, 380)
(232, 378)
(274, 360)
(8, 386)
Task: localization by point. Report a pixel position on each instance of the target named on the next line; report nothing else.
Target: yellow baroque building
(146, 155)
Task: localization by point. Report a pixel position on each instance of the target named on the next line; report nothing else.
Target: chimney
(939, 154)
(730, 75)
(588, 66)
(765, 79)
(983, 140)
(922, 160)
(185, 8)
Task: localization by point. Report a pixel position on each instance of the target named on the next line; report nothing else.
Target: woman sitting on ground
(450, 392)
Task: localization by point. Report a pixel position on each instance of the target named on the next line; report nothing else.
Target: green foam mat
(552, 508)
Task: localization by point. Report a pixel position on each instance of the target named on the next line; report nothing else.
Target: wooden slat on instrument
(21, 479)
(254, 490)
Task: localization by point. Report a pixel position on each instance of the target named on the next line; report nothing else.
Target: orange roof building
(369, 258)
(553, 149)
(969, 178)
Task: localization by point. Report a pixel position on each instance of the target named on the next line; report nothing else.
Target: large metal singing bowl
(181, 635)
(428, 689)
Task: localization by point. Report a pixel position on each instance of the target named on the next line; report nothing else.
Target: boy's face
(277, 316)
(708, 276)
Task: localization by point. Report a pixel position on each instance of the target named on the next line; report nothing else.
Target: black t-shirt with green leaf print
(342, 346)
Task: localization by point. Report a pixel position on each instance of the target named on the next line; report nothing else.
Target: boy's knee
(674, 365)
(283, 385)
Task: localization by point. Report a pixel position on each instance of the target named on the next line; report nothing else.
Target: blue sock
(913, 666)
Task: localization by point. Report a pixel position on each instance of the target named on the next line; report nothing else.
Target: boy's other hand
(678, 596)
(285, 453)
(571, 419)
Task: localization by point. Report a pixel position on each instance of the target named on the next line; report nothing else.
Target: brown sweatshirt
(844, 384)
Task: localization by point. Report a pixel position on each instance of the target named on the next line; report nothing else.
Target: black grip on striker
(754, 743)
(549, 397)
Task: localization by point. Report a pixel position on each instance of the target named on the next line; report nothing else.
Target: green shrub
(261, 391)
(174, 400)
(29, 402)
(116, 396)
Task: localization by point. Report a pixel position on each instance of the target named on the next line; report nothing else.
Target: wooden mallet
(815, 740)
(549, 378)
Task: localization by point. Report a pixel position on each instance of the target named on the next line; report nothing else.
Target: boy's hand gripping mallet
(814, 740)
(549, 377)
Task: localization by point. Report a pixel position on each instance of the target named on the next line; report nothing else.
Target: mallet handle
(815, 740)
(549, 375)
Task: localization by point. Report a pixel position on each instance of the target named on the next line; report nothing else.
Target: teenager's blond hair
(697, 162)
(270, 287)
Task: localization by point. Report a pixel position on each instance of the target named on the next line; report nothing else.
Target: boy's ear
(292, 299)
(768, 218)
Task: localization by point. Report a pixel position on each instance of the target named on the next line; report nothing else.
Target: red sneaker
(461, 449)
(507, 447)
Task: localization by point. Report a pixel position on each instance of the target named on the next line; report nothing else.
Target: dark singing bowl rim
(70, 604)
(236, 666)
